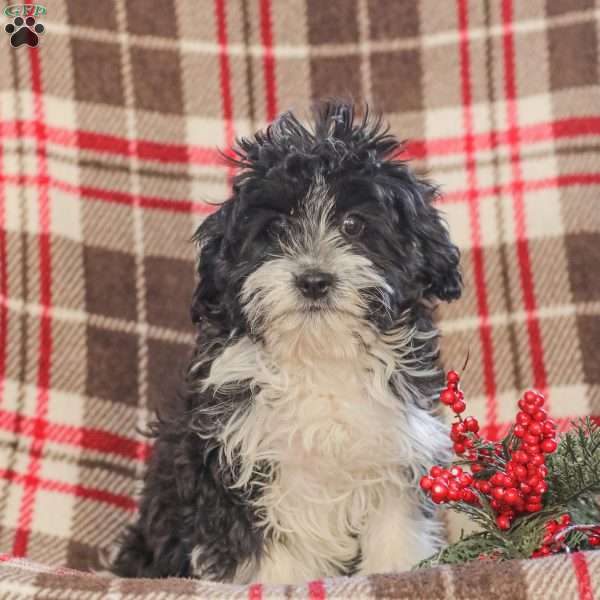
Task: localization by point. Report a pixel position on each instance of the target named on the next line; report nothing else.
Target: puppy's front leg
(397, 535)
(279, 565)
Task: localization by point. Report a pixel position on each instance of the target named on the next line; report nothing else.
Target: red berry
(465, 479)
(495, 504)
(460, 427)
(532, 449)
(530, 396)
(565, 519)
(523, 419)
(536, 429)
(471, 424)
(456, 471)
(503, 522)
(468, 496)
(541, 488)
(511, 496)
(533, 499)
(525, 488)
(508, 481)
(457, 437)
(454, 495)
(537, 459)
(594, 540)
(497, 479)
(452, 377)
(498, 493)
(533, 507)
(485, 487)
(439, 492)
(459, 448)
(521, 472)
(540, 415)
(477, 467)
(445, 475)
(549, 445)
(549, 426)
(520, 457)
(435, 471)
(551, 527)
(531, 439)
(529, 409)
(519, 431)
(447, 396)
(458, 406)
(426, 482)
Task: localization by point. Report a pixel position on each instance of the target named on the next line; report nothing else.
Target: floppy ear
(207, 301)
(437, 258)
(441, 258)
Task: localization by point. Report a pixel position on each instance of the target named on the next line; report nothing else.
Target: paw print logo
(24, 31)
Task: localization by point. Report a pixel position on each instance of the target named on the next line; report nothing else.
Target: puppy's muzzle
(314, 284)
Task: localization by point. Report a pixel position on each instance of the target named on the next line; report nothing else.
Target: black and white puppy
(307, 419)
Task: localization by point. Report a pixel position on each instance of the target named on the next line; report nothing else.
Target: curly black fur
(187, 500)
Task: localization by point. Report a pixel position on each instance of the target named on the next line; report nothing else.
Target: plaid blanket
(108, 137)
(560, 577)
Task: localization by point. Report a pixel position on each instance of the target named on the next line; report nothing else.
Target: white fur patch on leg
(282, 566)
(397, 536)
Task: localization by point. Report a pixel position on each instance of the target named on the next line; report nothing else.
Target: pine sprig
(574, 469)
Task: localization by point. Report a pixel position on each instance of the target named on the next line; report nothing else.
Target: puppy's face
(325, 233)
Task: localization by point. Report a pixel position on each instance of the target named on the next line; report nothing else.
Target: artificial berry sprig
(557, 530)
(510, 476)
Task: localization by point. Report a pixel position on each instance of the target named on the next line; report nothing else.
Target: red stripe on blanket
(225, 72)
(527, 134)
(485, 336)
(183, 154)
(266, 35)
(81, 437)
(3, 275)
(562, 181)
(21, 539)
(316, 590)
(118, 197)
(81, 491)
(584, 582)
(183, 206)
(540, 380)
(255, 591)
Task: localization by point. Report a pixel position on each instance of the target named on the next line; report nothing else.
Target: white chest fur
(337, 440)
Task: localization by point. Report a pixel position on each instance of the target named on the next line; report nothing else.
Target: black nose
(314, 284)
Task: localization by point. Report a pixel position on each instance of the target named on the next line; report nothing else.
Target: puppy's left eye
(352, 226)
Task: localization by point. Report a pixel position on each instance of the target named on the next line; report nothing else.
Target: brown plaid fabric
(562, 577)
(108, 137)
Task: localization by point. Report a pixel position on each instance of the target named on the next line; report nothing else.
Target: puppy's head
(326, 231)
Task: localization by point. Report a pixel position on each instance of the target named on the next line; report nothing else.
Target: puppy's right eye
(276, 226)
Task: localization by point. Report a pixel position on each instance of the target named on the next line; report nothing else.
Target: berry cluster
(553, 541)
(449, 485)
(511, 476)
(550, 543)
